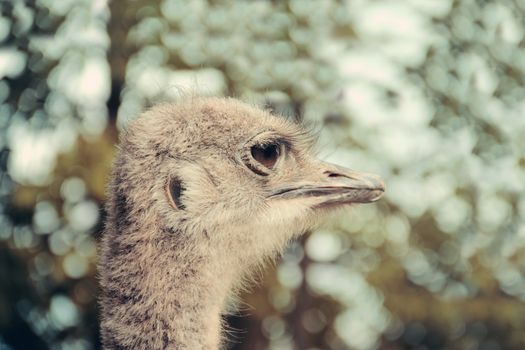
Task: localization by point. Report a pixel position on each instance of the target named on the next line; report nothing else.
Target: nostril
(332, 174)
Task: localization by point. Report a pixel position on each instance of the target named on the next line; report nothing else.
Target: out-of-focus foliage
(429, 94)
(54, 86)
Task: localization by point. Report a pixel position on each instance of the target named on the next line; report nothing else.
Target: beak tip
(382, 186)
(379, 189)
(374, 183)
(378, 194)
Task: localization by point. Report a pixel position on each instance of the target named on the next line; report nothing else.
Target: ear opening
(174, 190)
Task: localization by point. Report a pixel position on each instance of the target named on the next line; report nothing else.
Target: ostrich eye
(267, 155)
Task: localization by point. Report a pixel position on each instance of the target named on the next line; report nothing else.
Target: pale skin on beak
(337, 186)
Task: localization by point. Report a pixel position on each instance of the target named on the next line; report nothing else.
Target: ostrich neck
(160, 292)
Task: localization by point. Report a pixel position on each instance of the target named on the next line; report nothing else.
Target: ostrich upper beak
(334, 185)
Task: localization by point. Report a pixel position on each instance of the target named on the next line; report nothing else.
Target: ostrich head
(201, 191)
(220, 171)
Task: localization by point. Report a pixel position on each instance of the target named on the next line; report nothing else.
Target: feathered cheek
(283, 216)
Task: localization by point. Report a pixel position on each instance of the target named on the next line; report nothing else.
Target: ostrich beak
(336, 186)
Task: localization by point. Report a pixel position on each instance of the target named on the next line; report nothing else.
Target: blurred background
(429, 94)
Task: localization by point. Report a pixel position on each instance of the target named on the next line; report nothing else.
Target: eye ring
(263, 158)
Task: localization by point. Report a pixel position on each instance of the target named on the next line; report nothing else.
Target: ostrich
(202, 192)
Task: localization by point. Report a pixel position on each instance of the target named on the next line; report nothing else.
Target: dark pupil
(266, 154)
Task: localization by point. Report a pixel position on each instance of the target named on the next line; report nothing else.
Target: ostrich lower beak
(336, 186)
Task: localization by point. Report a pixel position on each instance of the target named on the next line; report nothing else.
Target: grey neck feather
(158, 291)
